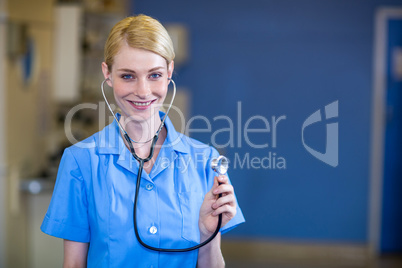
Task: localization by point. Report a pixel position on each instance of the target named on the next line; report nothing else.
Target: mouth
(141, 105)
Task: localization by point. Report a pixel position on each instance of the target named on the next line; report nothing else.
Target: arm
(210, 255)
(75, 254)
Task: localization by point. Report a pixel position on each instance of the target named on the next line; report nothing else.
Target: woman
(179, 203)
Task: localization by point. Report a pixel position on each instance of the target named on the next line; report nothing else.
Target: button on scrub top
(93, 200)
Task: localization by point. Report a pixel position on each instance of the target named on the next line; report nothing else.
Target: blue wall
(285, 58)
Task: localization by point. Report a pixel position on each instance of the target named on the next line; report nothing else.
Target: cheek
(163, 92)
(119, 94)
(120, 89)
(159, 89)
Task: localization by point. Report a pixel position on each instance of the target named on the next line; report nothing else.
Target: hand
(214, 205)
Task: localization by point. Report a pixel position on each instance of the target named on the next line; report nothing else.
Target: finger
(229, 211)
(227, 199)
(224, 189)
(222, 179)
(211, 193)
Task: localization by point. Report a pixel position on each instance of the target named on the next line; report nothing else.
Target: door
(391, 218)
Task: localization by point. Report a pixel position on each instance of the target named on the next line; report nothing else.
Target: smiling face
(139, 79)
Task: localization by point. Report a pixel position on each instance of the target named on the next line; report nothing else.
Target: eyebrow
(132, 71)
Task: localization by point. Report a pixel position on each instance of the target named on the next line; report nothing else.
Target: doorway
(386, 162)
(391, 218)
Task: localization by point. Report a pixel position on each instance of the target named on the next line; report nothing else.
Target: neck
(145, 134)
(141, 131)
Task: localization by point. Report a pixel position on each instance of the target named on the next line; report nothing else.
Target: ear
(106, 73)
(170, 69)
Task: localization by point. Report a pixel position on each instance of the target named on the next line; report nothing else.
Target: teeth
(142, 103)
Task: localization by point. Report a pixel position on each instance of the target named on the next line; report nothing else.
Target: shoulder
(183, 143)
(76, 159)
(84, 147)
(197, 153)
(196, 146)
(104, 141)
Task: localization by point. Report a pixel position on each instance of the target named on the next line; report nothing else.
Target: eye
(127, 76)
(155, 76)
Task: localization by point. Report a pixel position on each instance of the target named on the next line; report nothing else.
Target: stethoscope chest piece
(220, 165)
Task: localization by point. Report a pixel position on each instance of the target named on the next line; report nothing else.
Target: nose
(142, 89)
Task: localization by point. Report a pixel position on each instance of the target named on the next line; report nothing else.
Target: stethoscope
(219, 165)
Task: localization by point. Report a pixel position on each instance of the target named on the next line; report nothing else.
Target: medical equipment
(220, 165)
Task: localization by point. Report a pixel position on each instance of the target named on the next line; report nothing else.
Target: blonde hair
(139, 31)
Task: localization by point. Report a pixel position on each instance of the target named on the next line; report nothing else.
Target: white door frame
(382, 16)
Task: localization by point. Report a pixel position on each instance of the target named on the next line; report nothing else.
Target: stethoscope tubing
(166, 249)
(139, 175)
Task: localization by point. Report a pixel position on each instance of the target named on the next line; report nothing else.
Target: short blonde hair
(139, 31)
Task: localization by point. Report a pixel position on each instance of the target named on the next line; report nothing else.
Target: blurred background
(303, 96)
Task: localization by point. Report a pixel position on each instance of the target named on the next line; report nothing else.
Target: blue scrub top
(93, 200)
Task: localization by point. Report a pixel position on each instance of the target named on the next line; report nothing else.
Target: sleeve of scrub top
(238, 218)
(67, 215)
